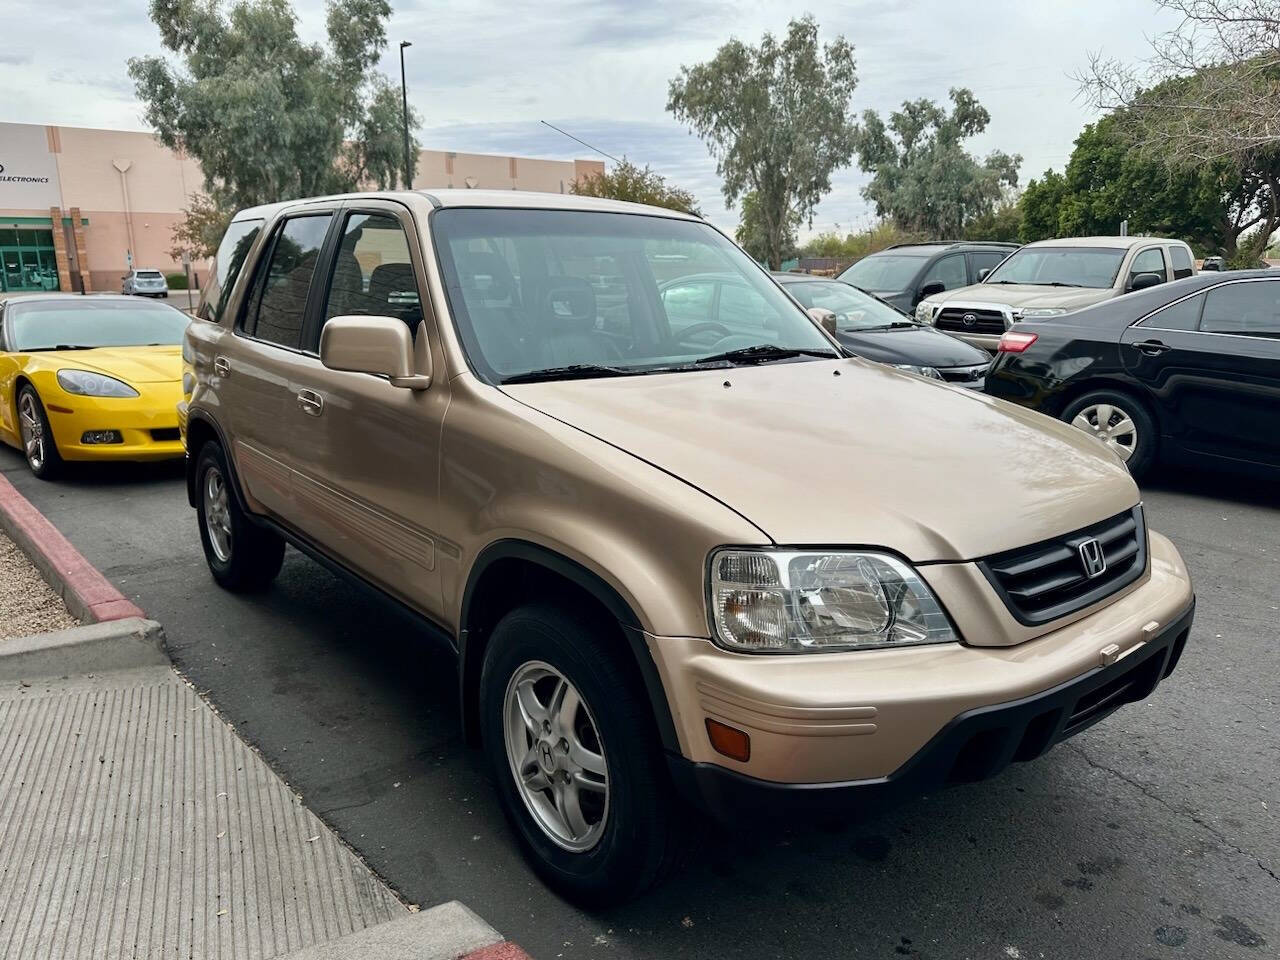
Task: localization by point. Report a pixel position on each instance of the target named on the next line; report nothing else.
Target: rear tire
(1121, 422)
(38, 443)
(242, 556)
(625, 837)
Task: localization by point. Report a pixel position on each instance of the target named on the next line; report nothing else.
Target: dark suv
(906, 273)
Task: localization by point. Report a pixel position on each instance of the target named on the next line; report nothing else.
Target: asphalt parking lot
(1153, 835)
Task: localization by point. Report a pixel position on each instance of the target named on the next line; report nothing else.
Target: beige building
(78, 205)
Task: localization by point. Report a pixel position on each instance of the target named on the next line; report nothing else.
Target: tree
(753, 234)
(1002, 223)
(922, 178)
(1041, 204)
(775, 118)
(267, 116)
(1208, 98)
(629, 182)
(200, 231)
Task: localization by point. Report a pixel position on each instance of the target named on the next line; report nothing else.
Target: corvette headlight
(88, 384)
(779, 601)
(930, 372)
(1031, 313)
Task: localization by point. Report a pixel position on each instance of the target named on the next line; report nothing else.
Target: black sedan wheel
(1119, 421)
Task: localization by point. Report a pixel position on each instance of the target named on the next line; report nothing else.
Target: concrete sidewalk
(135, 823)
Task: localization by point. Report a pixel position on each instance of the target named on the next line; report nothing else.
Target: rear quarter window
(1182, 263)
(228, 264)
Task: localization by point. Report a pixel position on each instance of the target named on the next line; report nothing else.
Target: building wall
(65, 167)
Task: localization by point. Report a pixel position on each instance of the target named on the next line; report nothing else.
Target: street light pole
(404, 96)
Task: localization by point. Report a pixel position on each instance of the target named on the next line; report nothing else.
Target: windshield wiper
(574, 371)
(65, 346)
(1058, 283)
(764, 352)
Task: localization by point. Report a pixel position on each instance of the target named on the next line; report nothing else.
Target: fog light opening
(101, 436)
(730, 741)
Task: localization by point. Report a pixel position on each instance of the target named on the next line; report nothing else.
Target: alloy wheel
(217, 514)
(556, 757)
(32, 427)
(1110, 424)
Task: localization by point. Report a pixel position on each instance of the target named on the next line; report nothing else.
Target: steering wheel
(695, 328)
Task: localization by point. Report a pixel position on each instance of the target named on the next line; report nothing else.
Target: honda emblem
(1092, 558)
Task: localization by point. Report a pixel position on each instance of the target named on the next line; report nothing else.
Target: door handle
(222, 366)
(311, 402)
(1152, 348)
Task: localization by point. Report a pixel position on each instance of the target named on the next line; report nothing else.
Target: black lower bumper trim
(974, 746)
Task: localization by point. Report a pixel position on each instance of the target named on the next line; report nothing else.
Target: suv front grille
(1049, 580)
(970, 320)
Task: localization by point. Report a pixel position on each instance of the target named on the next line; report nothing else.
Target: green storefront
(27, 259)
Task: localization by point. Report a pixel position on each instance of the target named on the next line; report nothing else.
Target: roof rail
(954, 243)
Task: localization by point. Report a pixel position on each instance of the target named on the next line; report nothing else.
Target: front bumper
(828, 721)
(975, 745)
(148, 425)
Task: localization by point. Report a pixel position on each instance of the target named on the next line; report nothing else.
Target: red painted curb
(498, 951)
(87, 593)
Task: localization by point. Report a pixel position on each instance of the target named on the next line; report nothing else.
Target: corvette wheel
(37, 438)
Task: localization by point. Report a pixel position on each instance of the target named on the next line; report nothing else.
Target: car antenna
(581, 141)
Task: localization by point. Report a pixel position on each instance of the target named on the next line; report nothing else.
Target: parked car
(870, 327)
(1214, 263)
(145, 283)
(1187, 372)
(906, 273)
(1054, 277)
(89, 378)
(598, 510)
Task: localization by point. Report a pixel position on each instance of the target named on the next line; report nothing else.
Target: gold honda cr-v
(684, 548)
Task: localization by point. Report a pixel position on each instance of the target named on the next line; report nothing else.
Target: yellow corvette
(90, 378)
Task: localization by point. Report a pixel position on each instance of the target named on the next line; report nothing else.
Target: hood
(1026, 295)
(920, 345)
(873, 456)
(130, 364)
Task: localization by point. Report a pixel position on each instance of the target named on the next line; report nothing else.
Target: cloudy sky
(483, 73)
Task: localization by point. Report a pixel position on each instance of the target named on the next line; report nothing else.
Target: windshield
(551, 294)
(92, 322)
(1060, 266)
(884, 272)
(854, 309)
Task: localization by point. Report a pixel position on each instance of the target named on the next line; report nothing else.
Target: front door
(366, 454)
(1213, 362)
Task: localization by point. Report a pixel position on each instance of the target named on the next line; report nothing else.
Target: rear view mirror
(379, 345)
(1145, 281)
(824, 318)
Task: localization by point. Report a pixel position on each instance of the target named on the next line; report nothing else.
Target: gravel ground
(27, 604)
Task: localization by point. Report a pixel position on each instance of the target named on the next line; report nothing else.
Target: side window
(984, 261)
(949, 271)
(1150, 260)
(1182, 265)
(1184, 315)
(227, 265)
(373, 273)
(742, 306)
(278, 309)
(688, 303)
(1247, 309)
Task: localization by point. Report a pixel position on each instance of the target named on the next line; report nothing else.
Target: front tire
(242, 556)
(1121, 422)
(38, 443)
(575, 756)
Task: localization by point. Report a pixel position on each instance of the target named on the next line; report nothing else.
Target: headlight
(930, 372)
(88, 384)
(925, 310)
(1033, 312)
(777, 601)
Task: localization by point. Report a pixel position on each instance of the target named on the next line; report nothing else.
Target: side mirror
(824, 318)
(984, 273)
(1145, 281)
(932, 289)
(379, 345)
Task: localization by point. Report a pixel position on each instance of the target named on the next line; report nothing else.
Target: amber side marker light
(730, 741)
(1014, 342)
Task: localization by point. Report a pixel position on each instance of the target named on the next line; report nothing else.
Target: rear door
(1212, 362)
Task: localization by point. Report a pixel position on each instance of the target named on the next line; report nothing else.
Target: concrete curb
(447, 932)
(88, 595)
(93, 648)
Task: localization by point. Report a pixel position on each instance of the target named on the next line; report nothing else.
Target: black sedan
(1184, 372)
(874, 330)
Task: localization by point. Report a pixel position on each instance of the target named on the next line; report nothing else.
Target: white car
(145, 283)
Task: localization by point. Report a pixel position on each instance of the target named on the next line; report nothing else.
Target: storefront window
(27, 259)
